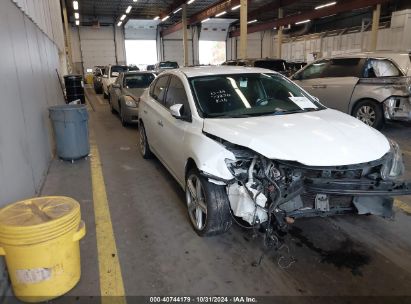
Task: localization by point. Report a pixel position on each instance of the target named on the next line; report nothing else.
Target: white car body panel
(321, 138)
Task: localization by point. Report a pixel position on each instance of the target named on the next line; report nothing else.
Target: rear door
(153, 111)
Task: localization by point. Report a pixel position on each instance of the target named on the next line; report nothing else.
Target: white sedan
(249, 145)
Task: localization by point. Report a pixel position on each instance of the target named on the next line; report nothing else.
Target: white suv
(249, 145)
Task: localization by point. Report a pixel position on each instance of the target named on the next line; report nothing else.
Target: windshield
(138, 81)
(118, 69)
(275, 65)
(240, 95)
(168, 65)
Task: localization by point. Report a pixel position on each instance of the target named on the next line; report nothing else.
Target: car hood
(135, 93)
(320, 138)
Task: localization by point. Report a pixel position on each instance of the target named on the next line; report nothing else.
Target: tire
(123, 122)
(144, 146)
(212, 216)
(370, 113)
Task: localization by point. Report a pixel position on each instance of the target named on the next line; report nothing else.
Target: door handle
(160, 123)
(319, 86)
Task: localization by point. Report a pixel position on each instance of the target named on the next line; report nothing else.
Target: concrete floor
(160, 254)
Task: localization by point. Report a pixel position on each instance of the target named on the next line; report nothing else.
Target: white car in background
(110, 75)
(250, 145)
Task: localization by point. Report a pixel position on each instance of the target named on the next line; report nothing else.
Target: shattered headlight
(394, 167)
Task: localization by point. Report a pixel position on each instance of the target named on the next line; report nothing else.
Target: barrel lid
(38, 211)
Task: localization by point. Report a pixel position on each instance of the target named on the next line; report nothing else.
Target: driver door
(173, 130)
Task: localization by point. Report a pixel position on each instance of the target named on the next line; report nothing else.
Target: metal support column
(375, 24)
(243, 29)
(185, 37)
(280, 34)
(67, 33)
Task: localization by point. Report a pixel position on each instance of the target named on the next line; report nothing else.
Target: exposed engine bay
(274, 193)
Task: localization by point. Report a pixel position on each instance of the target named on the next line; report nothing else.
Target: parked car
(110, 76)
(372, 89)
(278, 65)
(165, 65)
(125, 94)
(150, 67)
(97, 79)
(294, 66)
(251, 143)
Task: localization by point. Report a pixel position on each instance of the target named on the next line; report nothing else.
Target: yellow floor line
(402, 206)
(111, 280)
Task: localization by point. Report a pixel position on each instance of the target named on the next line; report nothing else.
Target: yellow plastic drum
(40, 240)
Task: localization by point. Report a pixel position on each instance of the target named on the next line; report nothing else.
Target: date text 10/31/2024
(204, 299)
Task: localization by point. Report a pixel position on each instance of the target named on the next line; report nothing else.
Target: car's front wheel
(207, 204)
(370, 113)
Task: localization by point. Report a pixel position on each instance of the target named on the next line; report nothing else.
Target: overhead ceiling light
(128, 9)
(220, 14)
(177, 10)
(77, 22)
(76, 15)
(156, 18)
(134, 0)
(304, 21)
(75, 5)
(165, 18)
(274, 28)
(252, 21)
(325, 5)
(205, 20)
(119, 23)
(235, 7)
(190, 1)
(123, 17)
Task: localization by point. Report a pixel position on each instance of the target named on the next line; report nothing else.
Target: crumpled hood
(321, 138)
(134, 92)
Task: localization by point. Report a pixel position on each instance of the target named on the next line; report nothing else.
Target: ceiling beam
(273, 6)
(312, 14)
(173, 6)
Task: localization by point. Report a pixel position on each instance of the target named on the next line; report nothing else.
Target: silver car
(125, 94)
(372, 89)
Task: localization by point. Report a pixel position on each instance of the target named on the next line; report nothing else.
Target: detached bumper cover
(358, 187)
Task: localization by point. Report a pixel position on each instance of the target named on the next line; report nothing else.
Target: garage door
(97, 46)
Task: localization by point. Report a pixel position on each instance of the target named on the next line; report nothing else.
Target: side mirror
(176, 110)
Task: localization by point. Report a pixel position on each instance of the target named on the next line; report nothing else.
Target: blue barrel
(70, 123)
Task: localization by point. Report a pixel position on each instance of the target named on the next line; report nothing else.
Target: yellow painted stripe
(402, 206)
(111, 280)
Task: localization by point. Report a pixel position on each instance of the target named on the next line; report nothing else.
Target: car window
(138, 80)
(160, 88)
(176, 93)
(168, 65)
(381, 68)
(249, 95)
(315, 70)
(343, 67)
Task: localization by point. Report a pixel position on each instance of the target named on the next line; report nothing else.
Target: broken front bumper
(398, 108)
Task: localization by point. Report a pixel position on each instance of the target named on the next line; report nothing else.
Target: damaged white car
(248, 145)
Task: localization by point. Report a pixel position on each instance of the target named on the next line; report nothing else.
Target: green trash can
(70, 123)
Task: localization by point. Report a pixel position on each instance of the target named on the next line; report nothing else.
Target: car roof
(217, 70)
(137, 72)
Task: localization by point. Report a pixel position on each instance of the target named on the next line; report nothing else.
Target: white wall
(264, 44)
(28, 86)
(172, 48)
(96, 46)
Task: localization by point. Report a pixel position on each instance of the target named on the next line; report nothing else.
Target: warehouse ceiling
(110, 11)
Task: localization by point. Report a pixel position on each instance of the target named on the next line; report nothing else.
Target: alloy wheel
(196, 204)
(367, 115)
